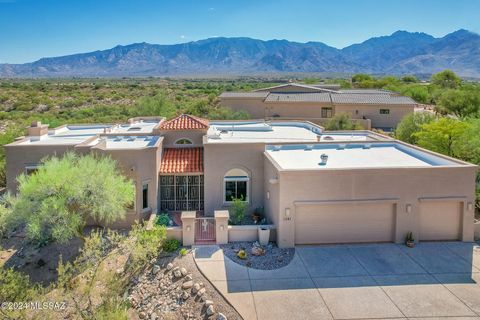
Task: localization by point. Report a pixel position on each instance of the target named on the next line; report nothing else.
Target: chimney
(37, 129)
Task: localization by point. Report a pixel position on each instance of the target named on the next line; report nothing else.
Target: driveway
(432, 280)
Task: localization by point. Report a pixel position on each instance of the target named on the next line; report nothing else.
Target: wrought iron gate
(205, 230)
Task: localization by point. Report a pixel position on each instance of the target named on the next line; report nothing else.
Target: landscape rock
(188, 277)
(177, 273)
(187, 285)
(201, 292)
(221, 316)
(208, 303)
(156, 269)
(169, 266)
(210, 310)
(195, 288)
(257, 251)
(183, 271)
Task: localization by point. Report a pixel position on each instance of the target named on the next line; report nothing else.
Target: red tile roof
(185, 122)
(182, 160)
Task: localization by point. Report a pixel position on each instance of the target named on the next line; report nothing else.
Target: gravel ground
(274, 257)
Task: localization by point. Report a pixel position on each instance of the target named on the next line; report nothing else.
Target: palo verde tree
(56, 201)
(411, 124)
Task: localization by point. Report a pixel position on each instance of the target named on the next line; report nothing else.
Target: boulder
(258, 251)
(210, 310)
(169, 266)
(221, 316)
(183, 271)
(195, 288)
(201, 292)
(208, 303)
(156, 269)
(187, 285)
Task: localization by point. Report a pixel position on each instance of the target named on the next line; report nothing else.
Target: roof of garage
(354, 155)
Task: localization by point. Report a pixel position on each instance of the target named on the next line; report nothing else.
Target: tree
(446, 79)
(467, 146)
(441, 135)
(341, 121)
(56, 201)
(361, 77)
(411, 124)
(461, 103)
(409, 79)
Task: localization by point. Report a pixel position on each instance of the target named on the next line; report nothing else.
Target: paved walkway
(432, 280)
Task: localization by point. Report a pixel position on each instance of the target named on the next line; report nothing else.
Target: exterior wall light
(408, 208)
(188, 228)
(287, 214)
(469, 206)
(222, 227)
(268, 195)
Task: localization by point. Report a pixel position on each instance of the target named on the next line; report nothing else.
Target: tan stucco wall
(142, 166)
(372, 112)
(20, 156)
(254, 107)
(170, 136)
(406, 185)
(220, 158)
(258, 109)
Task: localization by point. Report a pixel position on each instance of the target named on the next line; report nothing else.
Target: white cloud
(211, 9)
(183, 36)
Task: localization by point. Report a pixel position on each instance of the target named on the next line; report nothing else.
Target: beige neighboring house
(315, 186)
(372, 108)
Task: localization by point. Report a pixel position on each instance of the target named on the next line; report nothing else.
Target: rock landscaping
(253, 255)
(176, 290)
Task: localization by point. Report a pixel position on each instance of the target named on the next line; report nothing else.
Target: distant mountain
(399, 53)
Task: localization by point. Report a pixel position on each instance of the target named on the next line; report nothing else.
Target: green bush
(239, 207)
(163, 219)
(147, 243)
(341, 121)
(171, 245)
(183, 252)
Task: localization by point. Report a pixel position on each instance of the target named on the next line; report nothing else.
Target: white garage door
(344, 223)
(440, 220)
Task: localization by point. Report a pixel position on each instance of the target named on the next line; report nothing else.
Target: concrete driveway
(432, 280)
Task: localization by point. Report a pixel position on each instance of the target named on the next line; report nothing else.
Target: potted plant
(257, 215)
(263, 235)
(409, 240)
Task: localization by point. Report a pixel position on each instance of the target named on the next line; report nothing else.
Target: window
(29, 170)
(384, 111)
(183, 141)
(327, 112)
(236, 185)
(145, 196)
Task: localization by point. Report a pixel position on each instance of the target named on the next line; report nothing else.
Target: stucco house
(315, 186)
(372, 108)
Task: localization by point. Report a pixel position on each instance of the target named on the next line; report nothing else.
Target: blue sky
(31, 29)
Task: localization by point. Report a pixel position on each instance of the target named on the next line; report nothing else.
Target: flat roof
(353, 155)
(76, 134)
(276, 132)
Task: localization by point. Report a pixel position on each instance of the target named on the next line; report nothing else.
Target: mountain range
(399, 53)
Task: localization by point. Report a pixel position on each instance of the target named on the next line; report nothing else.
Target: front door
(181, 193)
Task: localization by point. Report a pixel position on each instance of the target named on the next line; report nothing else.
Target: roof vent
(367, 146)
(276, 148)
(323, 159)
(328, 138)
(342, 146)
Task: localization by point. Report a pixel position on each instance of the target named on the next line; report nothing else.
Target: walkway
(353, 282)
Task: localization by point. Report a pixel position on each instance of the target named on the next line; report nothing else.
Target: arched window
(183, 141)
(236, 185)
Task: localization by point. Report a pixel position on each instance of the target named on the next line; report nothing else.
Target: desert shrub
(238, 209)
(163, 219)
(146, 244)
(171, 245)
(15, 286)
(341, 121)
(183, 252)
(56, 200)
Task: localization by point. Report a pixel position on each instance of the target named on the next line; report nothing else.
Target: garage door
(440, 220)
(344, 223)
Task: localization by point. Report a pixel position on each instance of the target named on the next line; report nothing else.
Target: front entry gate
(205, 230)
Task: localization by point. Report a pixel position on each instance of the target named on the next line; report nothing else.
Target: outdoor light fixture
(268, 195)
(222, 227)
(469, 206)
(287, 214)
(188, 228)
(408, 208)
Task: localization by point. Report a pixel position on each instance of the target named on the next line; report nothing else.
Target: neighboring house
(315, 186)
(370, 107)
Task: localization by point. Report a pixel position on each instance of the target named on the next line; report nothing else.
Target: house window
(236, 185)
(384, 111)
(29, 170)
(145, 196)
(183, 141)
(327, 112)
